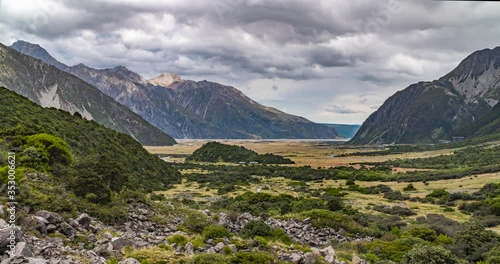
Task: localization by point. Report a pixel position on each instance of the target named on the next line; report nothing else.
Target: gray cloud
(341, 109)
(319, 54)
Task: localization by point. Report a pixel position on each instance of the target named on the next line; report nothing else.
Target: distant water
(265, 140)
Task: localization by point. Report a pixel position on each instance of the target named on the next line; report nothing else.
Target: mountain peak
(37, 52)
(166, 79)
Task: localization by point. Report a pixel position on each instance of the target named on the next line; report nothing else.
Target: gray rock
(189, 249)
(119, 243)
(218, 247)
(84, 220)
(296, 258)
(22, 249)
(6, 237)
(309, 258)
(51, 217)
(50, 228)
(130, 261)
(67, 230)
(21, 259)
(358, 260)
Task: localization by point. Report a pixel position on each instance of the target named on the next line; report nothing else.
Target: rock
(51, 217)
(130, 261)
(119, 243)
(21, 259)
(327, 251)
(50, 228)
(108, 236)
(296, 258)
(189, 249)
(84, 220)
(22, 249)
(218, 247)
(233, 248)
(3, 224)
(358, 260)
(330, 259)
(40, 224)
(67, 230)
(309, 258)
(9, 240)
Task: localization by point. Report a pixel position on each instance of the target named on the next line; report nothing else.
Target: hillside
(23, 121)
(50, 87)
(189, 109)
(429, 111)
(217, 152)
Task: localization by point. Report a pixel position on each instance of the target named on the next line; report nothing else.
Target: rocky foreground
(61, 239)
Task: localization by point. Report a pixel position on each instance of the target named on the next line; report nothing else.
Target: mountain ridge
(48, 86)
(426, 112)
(190, 109)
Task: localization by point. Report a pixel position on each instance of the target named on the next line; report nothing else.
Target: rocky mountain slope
(426, 112)
(189, 109)
(48, 86)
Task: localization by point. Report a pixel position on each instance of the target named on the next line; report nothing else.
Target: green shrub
(424, 233)
(215, 231)
(425, 254)
(256, 228)
(252, 258)
(210, 259)
(177, 239)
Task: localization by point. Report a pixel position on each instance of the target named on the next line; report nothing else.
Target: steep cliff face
(50, 87)
(428, 111)
(189, 109)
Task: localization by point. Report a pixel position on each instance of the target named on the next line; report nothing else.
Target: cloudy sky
(330, 61)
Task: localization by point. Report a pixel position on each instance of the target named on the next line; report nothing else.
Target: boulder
(24, 260)
(6, 238)
(84, 220)
(67, 230)
(22, 249)
(130, 261)
(51, 217)
(296, 258)
(189, 249)
(218, 247)
(119, 243)
(309, 258)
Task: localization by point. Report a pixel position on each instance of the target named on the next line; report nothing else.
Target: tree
(472, 241)
(426, 254)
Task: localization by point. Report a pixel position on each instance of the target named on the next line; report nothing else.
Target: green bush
(425, 254)
(177, 239)
(210, 259)
(256, 228)
(215, 231)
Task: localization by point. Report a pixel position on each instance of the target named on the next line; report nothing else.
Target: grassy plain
(325, 154)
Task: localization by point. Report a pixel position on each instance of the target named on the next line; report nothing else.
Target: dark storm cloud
(319, 53)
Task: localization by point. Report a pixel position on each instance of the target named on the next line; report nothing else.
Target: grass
(317, 154)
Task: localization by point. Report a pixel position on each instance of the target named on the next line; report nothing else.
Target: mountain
(25, 121)
(189, 109)
(426, 112)
(345, 131)
(48, 86)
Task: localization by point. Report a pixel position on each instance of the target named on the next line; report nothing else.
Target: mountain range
(188, 109)
(48, 86)
(462, 103)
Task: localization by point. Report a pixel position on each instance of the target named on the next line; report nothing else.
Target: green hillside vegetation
(73, 157)
(217, 152)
